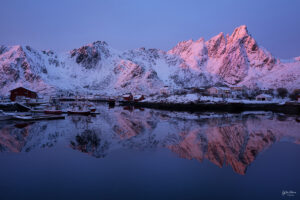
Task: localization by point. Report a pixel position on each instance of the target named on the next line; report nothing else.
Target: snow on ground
(196, 98)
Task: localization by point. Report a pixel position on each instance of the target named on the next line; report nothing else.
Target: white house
(263, 97)
(219, 91)
(165, 90)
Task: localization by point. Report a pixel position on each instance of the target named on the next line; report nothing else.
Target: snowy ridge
(234, 59)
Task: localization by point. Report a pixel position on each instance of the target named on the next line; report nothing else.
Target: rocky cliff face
(230, 59)
(89, 56)
(236, 59)
(241, 54)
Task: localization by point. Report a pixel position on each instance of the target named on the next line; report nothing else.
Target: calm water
(149, 154)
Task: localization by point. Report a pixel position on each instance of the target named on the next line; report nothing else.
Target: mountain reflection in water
(223, 139)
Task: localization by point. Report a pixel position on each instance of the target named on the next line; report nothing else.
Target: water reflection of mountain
(234, 140)
(90, 142)
(23, 137)
(12, 138)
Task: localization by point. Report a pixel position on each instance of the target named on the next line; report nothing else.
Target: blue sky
(62, 25)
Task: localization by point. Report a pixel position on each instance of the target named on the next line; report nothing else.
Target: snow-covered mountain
(234, 59)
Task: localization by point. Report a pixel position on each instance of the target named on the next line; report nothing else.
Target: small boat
(37, 117)
(93, 109)
(89, 106)
(5, 116)
(54, 112)
(70, 112)
(82, 109)
(20, 117)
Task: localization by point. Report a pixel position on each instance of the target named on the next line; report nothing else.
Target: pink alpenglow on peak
(234, 60)
(216, 46)
(239, 33)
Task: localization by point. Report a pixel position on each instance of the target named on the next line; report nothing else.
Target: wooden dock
(12, 106)
(63, 112)
(38, 117)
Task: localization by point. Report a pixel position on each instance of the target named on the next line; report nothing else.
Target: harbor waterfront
(149, 100)
(146, 153)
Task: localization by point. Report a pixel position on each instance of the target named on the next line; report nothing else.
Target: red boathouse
(128, 97)
(20, 91)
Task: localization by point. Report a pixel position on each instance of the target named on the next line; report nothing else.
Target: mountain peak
(200, 40)
(103, 43)
(240, 32)
(216, 45)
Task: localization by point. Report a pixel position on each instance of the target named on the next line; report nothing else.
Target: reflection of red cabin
(139, 98)
(128, 97)
(129, 108)
(20, 91)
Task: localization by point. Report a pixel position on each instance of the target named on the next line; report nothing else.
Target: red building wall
(128, 97)
(22, 92)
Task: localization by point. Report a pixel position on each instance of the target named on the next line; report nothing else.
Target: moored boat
(79, 112)
(5, 116)
(20, 117)
(37, 117)
(82, 108)
(93, 109)
(54, 112)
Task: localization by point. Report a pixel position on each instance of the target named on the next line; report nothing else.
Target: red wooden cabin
(128, 97)
(20, 91)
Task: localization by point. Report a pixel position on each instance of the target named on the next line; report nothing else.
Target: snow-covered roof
(23, 88)
(236, 87)
(191, 88)
(221, 88)
(138, 96)
(126, 95)
(224, 88)
(264, 95)
(265, 89)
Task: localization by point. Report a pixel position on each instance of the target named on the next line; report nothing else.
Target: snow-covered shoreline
(196, 98)
(199, 105)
